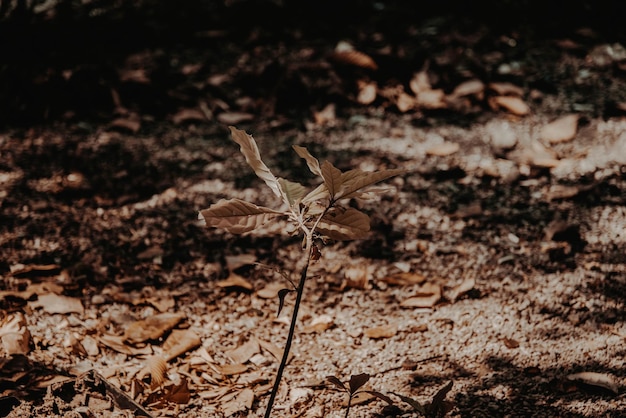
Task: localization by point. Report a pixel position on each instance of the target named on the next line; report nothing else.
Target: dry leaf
(179, 342)
(354, 58)
(152, 327)
(178, 393)
(132, 125)
(344, 224)
(244, 352)
(186, 115)
(601, 380)
(514, 105)
(404, 279)
(270, 291)
(444, 149)
(232, 369)
(420, 83)
(234, 118)
(426, 297)
(356, 277)
(235, 280)
(510, 343)
(367, 92)
(465, 286)
(117, 343)
(238, 216)
(383, 331)
(14, 335)
(233, 262)
(473, 87)
(240, 403)
(326, 115)
(274, 350)
(561, 130)
(432, 99)
(405, 102)
(319, 323)
(559, 191)
(57, 304)
(156, 366)
(506, 89)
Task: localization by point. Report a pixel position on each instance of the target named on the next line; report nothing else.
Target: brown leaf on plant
(383, 331)
(426, 297)
(238, 216)
(345, 224)
(561, 130)
(152, 327)
(312, 162)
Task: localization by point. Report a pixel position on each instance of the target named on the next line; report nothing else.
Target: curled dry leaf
(156, 367)
(561, 130)
(601, 380)
(152, 327)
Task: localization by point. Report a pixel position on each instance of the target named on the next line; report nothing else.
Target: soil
(496, 264)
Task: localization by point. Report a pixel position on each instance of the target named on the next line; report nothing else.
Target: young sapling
(315, 214)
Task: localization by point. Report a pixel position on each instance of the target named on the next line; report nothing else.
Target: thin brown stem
(292, 326)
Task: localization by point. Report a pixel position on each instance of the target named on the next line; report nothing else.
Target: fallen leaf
(510, 343)
(514, 105)
(405, 102)
(152, 327)
(178, 393)
(559, 191)
(14, 335)
(383, 331)
(129, 124)
(367, 92)
(426, 297)
(561, 130)
(506, 89)
(179, 342)
(118, 343)
(244, 352)
(465, 286)
(270, 291)
(233, 262)
(354, 58)
(432, 99)
(326, 115)
(189, 115)
(404, 279)
(601, 380)
(234, 118)
(58, 304)
(240, 403)
(319, 323)
(473, 87)
(444, 149)
(420, 83)
(274, 350)
(235, 280)
(232, 369)
(34, 270)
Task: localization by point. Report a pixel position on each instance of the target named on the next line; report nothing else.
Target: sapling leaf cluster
(315, 213)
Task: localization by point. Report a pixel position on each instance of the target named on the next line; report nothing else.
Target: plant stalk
(292, 327)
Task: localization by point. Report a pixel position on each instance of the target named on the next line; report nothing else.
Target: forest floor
(496, 264)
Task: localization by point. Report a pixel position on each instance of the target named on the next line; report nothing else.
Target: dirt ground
(496, 264)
